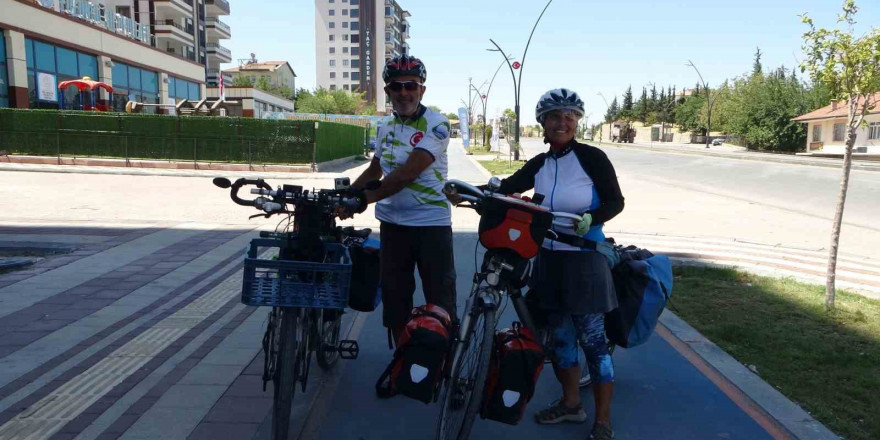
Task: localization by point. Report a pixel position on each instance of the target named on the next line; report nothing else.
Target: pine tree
(613, 111)
(628, 99)
(757, 69)
(643, 109)
(652, 104)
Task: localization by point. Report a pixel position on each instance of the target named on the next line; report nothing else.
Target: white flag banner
(495, 142)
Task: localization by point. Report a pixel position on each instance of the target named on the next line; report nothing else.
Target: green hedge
(339, 140)
(207, 139)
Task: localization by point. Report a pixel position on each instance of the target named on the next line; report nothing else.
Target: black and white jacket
(579, 179)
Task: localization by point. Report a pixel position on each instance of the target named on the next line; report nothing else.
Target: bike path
(662, 391)
(151, 342)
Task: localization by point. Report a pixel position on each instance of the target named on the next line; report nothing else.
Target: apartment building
(353, 38)
(151, 51)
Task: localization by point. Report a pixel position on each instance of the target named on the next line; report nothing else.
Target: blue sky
(588, 46)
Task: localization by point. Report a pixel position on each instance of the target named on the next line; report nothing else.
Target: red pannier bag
(515, 224)
(422, 349)
(517, 361)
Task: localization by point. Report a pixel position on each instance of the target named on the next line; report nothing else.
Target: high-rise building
(353, 38)
(191, 29)
(151, 51)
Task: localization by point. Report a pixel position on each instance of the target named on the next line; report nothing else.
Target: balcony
(174, 8)
(216, 8)
(212, 76)
(168, 29)
(218, 53)
(217, 30)
(182, 52)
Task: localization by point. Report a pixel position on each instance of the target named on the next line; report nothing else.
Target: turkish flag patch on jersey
(416, 138)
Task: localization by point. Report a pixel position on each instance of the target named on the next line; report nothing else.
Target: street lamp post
(470, 104)
(709, 99)
(517, 83)
(483, 99)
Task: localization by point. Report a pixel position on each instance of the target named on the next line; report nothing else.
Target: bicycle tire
(327, 354)
(286, 371)
(304, 351)
(457, 417)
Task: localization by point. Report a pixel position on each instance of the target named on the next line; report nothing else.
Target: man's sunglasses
(397, 86)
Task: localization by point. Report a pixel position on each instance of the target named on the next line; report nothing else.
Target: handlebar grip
(272, 206)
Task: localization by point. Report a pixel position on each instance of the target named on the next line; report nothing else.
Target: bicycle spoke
(465, 388)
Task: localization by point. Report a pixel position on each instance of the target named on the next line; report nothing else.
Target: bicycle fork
(477, 301)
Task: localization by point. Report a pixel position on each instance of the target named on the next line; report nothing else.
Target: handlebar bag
(517, 361)
(509, 223)
(364, 294)
(422, 349)
(643, 284)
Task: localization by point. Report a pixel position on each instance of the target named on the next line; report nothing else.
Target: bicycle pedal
(348, 349)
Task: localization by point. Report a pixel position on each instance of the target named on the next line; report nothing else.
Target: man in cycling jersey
(416, 227)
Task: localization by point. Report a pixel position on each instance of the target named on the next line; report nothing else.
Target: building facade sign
(47, 87)
(99, 15)
(368, 41)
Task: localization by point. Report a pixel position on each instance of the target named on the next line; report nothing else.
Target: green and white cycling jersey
(421, 203)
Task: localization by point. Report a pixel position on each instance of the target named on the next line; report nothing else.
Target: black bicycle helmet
(404, 65)
(558, 99)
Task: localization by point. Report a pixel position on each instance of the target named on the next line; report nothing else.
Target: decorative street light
(485, 96)
(517, 83)
(709, 98)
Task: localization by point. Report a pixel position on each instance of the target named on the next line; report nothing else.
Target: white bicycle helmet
(558, 99)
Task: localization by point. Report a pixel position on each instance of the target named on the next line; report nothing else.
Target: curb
(486, 172)
(758, 157)
(794, 419)
(166, 172)
(153, 164)
(15, 263)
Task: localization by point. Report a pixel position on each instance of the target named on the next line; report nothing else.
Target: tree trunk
(838, 214)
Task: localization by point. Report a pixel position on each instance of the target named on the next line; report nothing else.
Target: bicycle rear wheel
(286, 371)
(463, 393)
(327, 351)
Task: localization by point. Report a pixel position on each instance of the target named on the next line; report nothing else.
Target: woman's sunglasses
(397, 86)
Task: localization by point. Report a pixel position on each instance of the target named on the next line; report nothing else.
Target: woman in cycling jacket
(571, 281)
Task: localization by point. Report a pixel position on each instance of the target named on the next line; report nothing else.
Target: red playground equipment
(87, 83)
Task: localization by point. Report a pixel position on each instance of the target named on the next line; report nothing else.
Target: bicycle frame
(489, 296)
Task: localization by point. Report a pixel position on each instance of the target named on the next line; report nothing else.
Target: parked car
(717, 141)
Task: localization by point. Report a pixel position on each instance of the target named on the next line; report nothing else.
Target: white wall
(839, 147)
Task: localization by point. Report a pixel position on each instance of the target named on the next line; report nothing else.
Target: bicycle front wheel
(286, 371)
(464, 390)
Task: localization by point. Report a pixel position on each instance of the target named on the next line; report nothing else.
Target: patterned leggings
(588, 331)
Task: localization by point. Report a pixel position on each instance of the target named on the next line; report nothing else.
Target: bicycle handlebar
(475, 195)
(273, 201)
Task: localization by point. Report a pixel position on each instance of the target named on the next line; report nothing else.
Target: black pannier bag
(364, 294)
